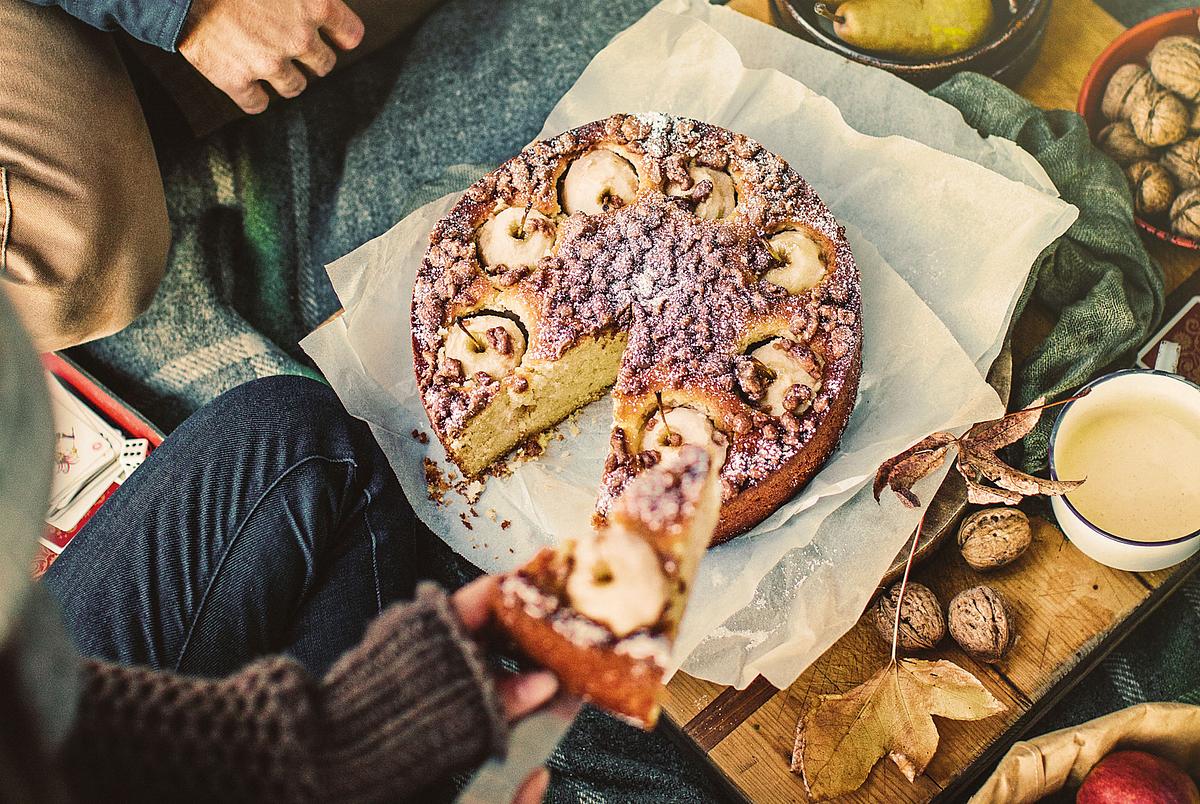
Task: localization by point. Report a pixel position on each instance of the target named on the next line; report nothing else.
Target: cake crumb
(533, 446)
(470, 491)
(419, 436)
(505, 525)
(467, 523)
(490, 514)
(435, 482)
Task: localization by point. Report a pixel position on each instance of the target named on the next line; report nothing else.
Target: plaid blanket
(258, 210)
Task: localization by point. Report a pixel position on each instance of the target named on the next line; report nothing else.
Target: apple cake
(602, 611)
(684, 267)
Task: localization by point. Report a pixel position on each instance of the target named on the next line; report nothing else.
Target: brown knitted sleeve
(411, 703)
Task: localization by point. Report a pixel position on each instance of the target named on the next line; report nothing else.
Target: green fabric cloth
(1097, 281)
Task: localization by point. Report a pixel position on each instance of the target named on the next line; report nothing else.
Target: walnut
(797, 397)
(1118, 141)
(1160, 118)
(1128, 84)
(753, 377)
(994, 537)
(981, 624)
(1175, 64)
(1182, 161)
(1152, 188)
(617, 442)
(451, 369)
(500, 341)
(1185, 213)
(922, 625)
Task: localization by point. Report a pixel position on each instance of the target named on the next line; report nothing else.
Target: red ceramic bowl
(1133, 46)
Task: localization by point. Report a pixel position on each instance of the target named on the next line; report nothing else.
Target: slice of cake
(602, 610)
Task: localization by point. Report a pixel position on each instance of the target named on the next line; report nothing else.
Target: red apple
(1135, 777)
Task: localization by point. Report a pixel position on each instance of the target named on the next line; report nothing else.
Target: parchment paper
(772, 600)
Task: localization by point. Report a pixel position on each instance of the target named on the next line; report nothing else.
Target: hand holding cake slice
(602, 611)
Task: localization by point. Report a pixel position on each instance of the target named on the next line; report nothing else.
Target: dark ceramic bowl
(1132, 47)
(1006, 53)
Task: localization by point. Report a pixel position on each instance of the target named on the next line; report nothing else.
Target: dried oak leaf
(904, 470)
(843, 736)
(977, 460)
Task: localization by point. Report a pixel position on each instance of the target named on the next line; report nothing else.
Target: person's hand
(520, 694)
(236, 44)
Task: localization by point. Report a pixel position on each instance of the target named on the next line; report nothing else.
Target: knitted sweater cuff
(413, 702)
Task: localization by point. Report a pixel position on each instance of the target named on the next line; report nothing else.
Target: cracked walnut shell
(1118, 141)
(1153, 189)
(922, 625)
(1160, 118)
(994, 537)
(1175, 64)
(981, 623)
(1129, 84)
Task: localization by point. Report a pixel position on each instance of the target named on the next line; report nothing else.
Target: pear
(911, 28)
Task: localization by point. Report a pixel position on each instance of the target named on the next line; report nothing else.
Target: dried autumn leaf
(902, 472)
(997, 433)
(843, 736)
(977, 459)
(979, 494)
(1006, 477)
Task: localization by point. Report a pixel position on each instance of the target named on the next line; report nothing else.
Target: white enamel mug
(1108, 548)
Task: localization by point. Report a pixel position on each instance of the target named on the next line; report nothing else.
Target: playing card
(69, 516)
(80, 450)
(87, 460)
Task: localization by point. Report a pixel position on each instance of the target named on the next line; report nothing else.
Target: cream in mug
(1140, 454)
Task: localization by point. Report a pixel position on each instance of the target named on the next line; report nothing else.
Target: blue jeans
(268, 522)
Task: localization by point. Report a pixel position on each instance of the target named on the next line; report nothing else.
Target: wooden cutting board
(1070, 610)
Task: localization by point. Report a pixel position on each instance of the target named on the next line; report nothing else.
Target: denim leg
(268, 521)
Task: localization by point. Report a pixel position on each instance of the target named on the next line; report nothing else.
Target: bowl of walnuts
(1141, 103)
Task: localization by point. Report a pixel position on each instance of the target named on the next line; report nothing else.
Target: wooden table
(1070, 610)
